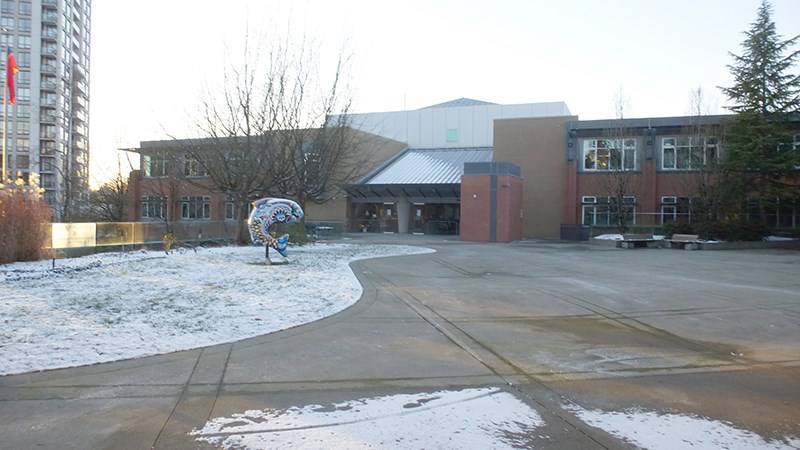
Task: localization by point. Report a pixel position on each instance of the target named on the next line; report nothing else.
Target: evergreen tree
(760, 160)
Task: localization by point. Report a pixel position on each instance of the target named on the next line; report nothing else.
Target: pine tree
(761, 164)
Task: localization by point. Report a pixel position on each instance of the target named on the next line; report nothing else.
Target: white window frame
(688, 152)
(196, 207)
(606, 155)
(154, 207)
(155, 165)
(598, 206)
(193, 167)
(671, 207)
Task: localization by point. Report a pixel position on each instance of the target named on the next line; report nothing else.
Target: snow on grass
(470, 418)
(656, 431)
(115, 306)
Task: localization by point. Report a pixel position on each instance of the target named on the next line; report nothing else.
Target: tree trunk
(242, 233)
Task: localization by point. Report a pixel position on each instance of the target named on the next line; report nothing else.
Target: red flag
(11, 69)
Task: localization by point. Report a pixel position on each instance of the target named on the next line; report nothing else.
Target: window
(154, 207)
(23, 78)
(25, 25)
(7, 23)
(196, 208)
(24, 42)
(784, 213)
(46, 148)
(609, 154)
(606, 211)
(23, 111)
(48, 181)
(23, 162)
(23, 145)
(7, 7)
(47, 164)
(155, 165)
(193, 167)
(25, 8)
(675, 209)
(452, 135)
(24, 94)
(47, 132)
(688, 153)
(231, 208)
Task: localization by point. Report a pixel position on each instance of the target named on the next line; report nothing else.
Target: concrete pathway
(714, 334)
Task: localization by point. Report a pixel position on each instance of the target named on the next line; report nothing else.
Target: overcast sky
(151, 59)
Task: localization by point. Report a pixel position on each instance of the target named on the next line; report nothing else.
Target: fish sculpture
(268, 211)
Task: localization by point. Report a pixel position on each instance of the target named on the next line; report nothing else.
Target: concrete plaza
(714, 334)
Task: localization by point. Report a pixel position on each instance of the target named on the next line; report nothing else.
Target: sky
(152, 60)
(71, 316)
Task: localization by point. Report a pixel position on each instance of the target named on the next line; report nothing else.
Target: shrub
(734, 230)
(24, 221)
(297, 232)
(679, 227)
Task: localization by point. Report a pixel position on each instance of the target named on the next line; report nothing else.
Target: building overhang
(415, 193)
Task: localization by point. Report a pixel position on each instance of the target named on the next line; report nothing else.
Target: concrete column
(403, 215)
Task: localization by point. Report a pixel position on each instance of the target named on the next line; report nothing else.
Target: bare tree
(699, 155)
(271, 132)
(160, 202)
(109, 202)
(619, 156)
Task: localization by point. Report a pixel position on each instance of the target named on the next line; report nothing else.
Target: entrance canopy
(419, 175)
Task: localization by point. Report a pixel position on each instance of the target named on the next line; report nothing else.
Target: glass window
(25, 8)
(606, 211)
(48, 181)
(24, 94)
(23, 59)
(25, 25)
(7, 23)
(23, 111)
(231, 208)
(609, 154)
(155, 165)
(154, 207)
(196, 208)
(688, 153)
(193, 167)
(23, 162)
(452, 135)
(23, 144)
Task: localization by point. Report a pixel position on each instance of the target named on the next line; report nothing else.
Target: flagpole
(5, 108)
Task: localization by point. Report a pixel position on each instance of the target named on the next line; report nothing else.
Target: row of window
(601, 211)
(158, 165)
(193, 207)
(677, 153)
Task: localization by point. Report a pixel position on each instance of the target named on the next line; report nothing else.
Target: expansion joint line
(441, 324)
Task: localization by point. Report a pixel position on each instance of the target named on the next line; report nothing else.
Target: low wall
(750, 245)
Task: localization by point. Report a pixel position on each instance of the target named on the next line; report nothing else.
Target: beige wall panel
(537, 146)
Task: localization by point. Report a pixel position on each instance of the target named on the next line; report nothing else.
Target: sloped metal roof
(430, 166)
(459, 102)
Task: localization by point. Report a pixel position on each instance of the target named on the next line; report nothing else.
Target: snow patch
(470, 418)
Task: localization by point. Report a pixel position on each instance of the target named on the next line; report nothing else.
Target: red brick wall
(509, 206)
(475, 204)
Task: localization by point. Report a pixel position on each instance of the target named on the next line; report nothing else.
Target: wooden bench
(636, 241)
(684, 241)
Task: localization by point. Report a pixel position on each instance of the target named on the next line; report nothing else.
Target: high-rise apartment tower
(47, 129)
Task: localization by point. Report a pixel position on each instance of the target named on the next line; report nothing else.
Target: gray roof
(463, 101)
(430, 166)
